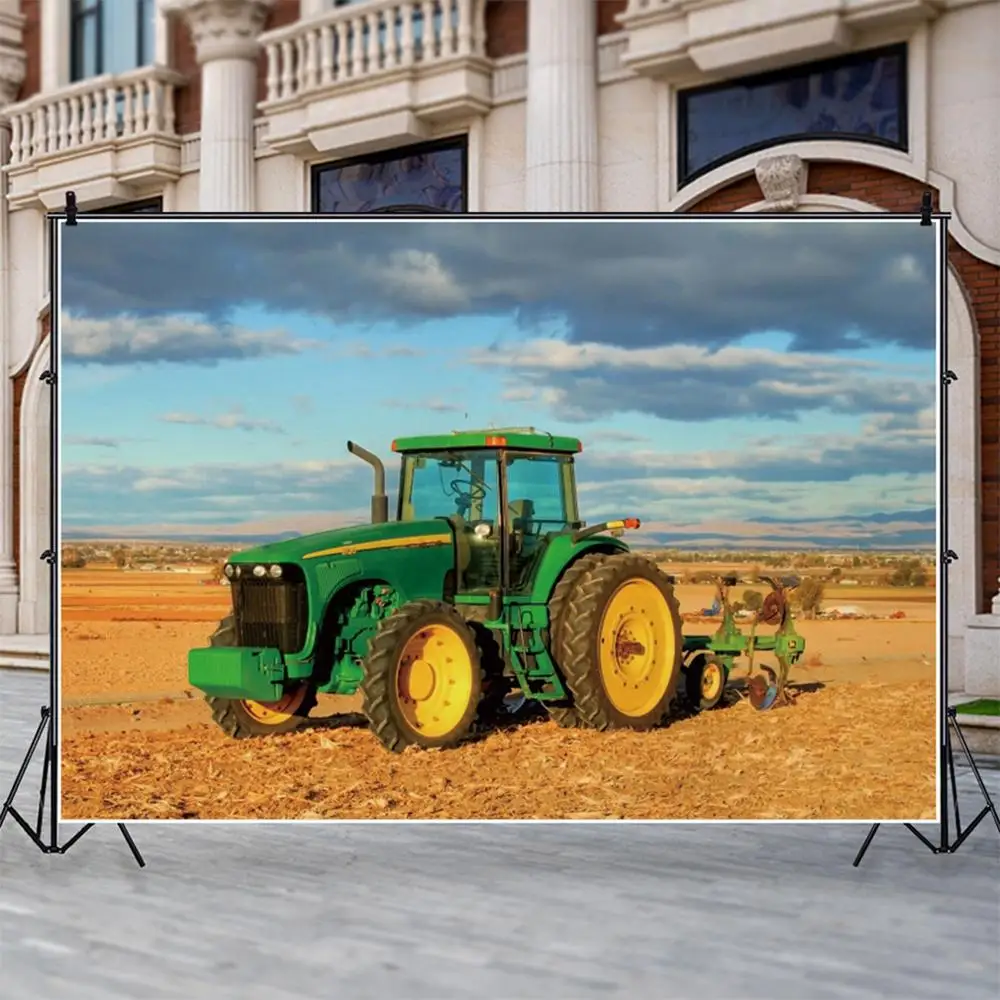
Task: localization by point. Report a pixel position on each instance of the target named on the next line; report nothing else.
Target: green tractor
(487, 582)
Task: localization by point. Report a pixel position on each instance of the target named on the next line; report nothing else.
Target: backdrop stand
(944, 844)
(46, 729)
(949, 719)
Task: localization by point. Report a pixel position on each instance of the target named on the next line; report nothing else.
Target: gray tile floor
(512, 911)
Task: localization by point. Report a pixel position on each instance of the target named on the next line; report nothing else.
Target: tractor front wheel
(620, 646)
(423, 678)
(242, 719)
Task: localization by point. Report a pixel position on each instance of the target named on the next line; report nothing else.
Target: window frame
(79, 13)
(459, 142)
(784, 75)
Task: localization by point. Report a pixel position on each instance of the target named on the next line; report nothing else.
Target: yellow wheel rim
(274, 713)
(638, 647)
(434, 681)
(711, 681)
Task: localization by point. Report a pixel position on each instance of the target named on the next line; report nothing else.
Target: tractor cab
(505, 492)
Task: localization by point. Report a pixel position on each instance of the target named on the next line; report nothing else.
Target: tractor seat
(523, 513)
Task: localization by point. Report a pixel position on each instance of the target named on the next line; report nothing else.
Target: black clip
(948, 557)
(926, 207)
(70, 208)
(948, 376)
(48, 377)
(48, 556)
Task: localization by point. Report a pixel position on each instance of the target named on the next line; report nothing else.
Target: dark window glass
(860, 97)
(111, 37)
(149, 206)
(420, 178)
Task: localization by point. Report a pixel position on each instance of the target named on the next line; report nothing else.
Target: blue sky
(739, 381)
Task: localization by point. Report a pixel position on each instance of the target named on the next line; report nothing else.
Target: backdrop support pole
(949, 718)
(46, 728)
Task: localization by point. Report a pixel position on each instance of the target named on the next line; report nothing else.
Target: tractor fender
(562, 553)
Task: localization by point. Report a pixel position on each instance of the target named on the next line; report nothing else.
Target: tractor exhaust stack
(380, 500)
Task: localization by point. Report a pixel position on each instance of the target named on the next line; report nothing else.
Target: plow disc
(768, 688)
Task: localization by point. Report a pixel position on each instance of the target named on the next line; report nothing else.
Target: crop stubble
(857, 744)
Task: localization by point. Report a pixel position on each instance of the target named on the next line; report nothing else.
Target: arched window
(860, 97)
(430, 177)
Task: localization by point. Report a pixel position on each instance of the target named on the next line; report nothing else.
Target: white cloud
(130, 339)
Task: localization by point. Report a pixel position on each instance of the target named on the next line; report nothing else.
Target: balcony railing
(130, 106)
(358, 43)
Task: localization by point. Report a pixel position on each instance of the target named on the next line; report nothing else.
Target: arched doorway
(36, 497)
(964, 522)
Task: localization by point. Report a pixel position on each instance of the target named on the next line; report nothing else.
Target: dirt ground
(138, 743)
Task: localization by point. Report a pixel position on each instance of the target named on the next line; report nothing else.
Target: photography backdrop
(748, 384)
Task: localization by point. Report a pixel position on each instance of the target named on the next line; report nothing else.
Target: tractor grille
(273, 613)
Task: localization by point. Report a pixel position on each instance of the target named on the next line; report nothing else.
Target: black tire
(579, 640)
(236, 717)
(380, 683)
(563, 714)
(694, 687)
(496, 685)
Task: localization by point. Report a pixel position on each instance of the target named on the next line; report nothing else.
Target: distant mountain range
(907, 530)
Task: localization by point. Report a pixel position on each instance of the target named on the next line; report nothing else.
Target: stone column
(561, 172)
(225, 35)
(12, 63)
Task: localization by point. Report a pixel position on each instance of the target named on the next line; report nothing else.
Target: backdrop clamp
(70, 208)
(926, 207)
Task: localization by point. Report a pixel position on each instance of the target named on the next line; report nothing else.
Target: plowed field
(138, 743)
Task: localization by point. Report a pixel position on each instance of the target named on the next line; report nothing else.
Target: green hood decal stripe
(415, 541)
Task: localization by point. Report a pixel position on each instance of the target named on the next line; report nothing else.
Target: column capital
(222, 29)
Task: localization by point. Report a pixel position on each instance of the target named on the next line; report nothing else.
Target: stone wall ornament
(12, 69)
(782, 181)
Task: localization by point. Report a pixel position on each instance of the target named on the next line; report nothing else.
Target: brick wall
(507, 24)
(183, 59)
(980, 282)
(32, 43)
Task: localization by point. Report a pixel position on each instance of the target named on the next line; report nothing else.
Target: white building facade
(505, 106)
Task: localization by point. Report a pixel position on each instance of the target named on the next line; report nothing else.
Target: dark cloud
(831, 284)
(695, 384)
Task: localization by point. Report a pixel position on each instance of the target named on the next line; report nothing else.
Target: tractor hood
(325, 545)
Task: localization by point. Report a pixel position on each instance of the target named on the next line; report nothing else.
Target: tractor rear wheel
(242, 719)
(620, 647)
(562, 714)
(423, 677)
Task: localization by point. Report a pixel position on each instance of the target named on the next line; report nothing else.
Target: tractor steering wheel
(467, 497)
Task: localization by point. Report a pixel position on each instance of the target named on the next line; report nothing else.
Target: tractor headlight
(229, 571)
(274, 572)
(259, 571)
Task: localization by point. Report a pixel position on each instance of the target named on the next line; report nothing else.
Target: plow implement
(710, 659)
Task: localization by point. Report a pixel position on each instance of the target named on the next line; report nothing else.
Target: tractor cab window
(461, 486)
(541, 500)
